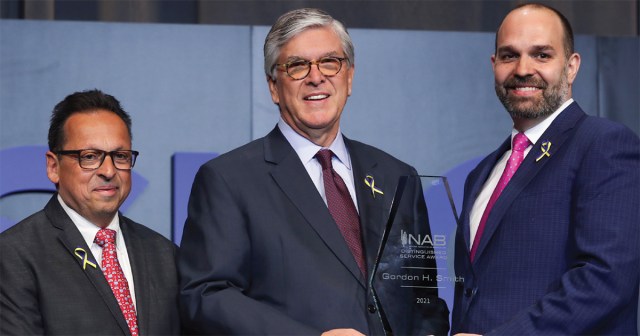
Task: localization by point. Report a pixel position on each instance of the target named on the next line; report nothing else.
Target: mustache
(525, 81)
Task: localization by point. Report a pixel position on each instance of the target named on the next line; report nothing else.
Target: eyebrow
(295, 57)
(535, 48)
(545, 47)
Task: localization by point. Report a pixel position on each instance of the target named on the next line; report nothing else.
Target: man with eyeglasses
(282, 233)
(78, 267)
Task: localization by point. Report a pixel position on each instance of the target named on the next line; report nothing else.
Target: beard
(532, 108)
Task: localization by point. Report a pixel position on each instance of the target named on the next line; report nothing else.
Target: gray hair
(295, 22)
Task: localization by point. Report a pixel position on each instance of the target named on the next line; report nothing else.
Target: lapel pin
(370, 182)
(84, 257)
(545, 150)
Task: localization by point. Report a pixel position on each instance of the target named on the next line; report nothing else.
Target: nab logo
(420, 240)
(23, 170)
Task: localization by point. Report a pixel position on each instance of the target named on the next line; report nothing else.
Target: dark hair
(566, 26)
(82, 102)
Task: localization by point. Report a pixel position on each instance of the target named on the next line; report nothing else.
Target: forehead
(93, 128)
(528, 26)
(312, 43)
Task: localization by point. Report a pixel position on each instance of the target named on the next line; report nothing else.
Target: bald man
(548, 241)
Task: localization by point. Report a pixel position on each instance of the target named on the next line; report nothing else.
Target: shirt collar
(535, 132)
(88, 229)
(306, 149)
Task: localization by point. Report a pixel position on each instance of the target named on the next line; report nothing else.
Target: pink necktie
(106, 239)
(341, 207)
(520, 144)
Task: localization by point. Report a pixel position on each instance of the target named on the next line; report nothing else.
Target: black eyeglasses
(300, 68)
(93, 158)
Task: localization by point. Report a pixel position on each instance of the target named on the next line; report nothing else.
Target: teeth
(317, 97)
(526, 88)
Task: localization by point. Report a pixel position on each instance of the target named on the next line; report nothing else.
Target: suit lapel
(289, 173)
(371, 209)
(138, 260)
(556, 134)
(479, 177)
(71, 238)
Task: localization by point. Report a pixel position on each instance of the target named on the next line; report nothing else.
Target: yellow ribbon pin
(84, 258)
(369, 181)
(545, 151)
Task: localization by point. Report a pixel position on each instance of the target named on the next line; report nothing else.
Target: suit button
(468, 292)
(372, 309)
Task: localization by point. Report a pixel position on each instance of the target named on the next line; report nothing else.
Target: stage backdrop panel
(425, 97)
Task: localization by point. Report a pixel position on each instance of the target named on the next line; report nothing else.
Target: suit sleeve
(215, 267)
(602, 277)
(19, 310)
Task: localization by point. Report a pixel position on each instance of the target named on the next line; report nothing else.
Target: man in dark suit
(549, 238)
(78, 267)
(267, 249)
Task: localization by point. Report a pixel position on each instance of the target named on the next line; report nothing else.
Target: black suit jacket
(45, 290)
(261, 253)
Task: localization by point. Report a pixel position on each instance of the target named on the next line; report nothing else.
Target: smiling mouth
(106, 189)
(317, 97)
(528, 88)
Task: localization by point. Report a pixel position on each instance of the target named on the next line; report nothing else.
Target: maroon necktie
(341, 207)
(106, 239)
(520, 144)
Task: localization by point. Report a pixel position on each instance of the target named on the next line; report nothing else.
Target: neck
(522, 124)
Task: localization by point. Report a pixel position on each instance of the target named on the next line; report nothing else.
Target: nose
(315, 77)
(108, 169)
(524, 66)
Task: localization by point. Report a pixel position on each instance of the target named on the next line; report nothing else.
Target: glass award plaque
(414, 265)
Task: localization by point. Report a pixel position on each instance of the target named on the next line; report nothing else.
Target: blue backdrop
(195, 91)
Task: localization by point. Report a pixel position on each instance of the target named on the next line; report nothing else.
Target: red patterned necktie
(341, 207)
(106, 239)
(520, 144)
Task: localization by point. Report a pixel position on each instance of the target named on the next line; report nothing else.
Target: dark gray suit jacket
(44, 289)
(261, 253)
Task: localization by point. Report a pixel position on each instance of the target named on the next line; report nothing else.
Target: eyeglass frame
(77, 152)
(309, 64)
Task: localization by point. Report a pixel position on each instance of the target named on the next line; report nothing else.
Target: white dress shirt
(306, 150)
(533, 134)
(89, 231)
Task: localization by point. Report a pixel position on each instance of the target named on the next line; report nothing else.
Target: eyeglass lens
(93, 159)
(328, 66)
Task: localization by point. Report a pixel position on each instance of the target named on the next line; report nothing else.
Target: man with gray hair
(282, 233)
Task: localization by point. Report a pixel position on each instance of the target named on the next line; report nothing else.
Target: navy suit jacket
(560, 249)
(45, 290)
(261, 253)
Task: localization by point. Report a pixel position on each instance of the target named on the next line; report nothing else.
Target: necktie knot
(324, 157)
(105, 236)
(520, 142)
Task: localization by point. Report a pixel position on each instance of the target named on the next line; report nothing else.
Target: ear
(350, 74)
(573, 65)
(53, 167)
(273, 89)
(493, 61)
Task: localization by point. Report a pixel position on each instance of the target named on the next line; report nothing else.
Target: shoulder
(598, 132)
(601, 125)
(22, 245)
(27, 230)
(237, 157)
